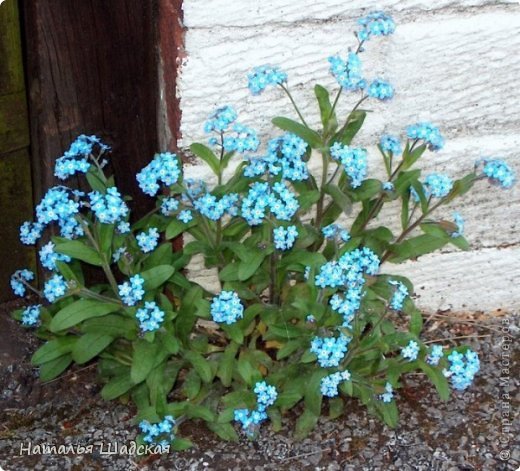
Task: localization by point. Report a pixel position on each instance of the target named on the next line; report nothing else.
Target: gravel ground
(470, 432)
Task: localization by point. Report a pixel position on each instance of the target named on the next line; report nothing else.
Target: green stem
(302, 119)
(86, 293)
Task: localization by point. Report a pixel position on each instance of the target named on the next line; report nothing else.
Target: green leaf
(354, 122)
(90, 345)
(416, 322)
(224, 431)
(310, 136)
(112, 324)
(181, 444)
(368, 189)
(409, 158)
(117, 386)
(201, 365)
(192, 384)
(389, 412)
(437, 378)
(288, 399)
(197, 411)
(207, 155)
(176, 227)
(250, 265)
(80, 311)
(155, 277)
(80, 251)
(95, 181)
(143, 360)
(404, 180)
(415, 247)
(305, 423)
(340, 198)
(52, 369)
(53, 349)
(226, 364)
(336, 407)
(106, 234)
(328, 119)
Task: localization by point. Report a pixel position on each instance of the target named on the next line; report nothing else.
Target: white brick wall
(453, 62)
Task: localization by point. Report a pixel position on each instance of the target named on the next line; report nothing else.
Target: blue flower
(284, 156)
(333, 231)
(227, 308)
(390, 144)
(17, 281)
(169, 205)
(109, 208)
(263, 76)
(150, 317)
(48, 257)
(220, 119)
(131, 292)
(427, 132)
(123, 227)
(244, 139)
(499, 172)
(400, 294)
(164, 168)
(437, 185)
(265, 395)
(354, 161)
(462, 369)
(185, 216)
(54, 288)
(116, 256)
(284, 237)
(330, 350)
(347, 304)
(388, 395)
(459, 222)
(159, 433)
(411, 351)
(147, 241)
(30, 232)
(388, 186)
(213, 208)
(376, 23)
(435, 355)
(31, 316)
(329, 384)
(347, 72)
(250, 420)
(380, 89)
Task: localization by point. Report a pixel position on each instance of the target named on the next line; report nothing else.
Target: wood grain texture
(92, 68)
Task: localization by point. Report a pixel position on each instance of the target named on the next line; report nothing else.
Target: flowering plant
(302, 311)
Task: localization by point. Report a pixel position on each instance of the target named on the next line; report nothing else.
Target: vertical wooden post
(92, 68)
(15, 171)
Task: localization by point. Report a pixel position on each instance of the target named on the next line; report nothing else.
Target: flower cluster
(75, 160)
(263, 76)
(376, 23)
(354, 161)
(164, 168)
(54, 288)
(265, 397)
(131, 292)
(154, 432)
(109, 208)
(388, 395)
(213, 208)
(227, 307)
(284, 237)
(17, 279)
(330, 350)
(347, 72)
(462, 369)
(148, 240)
(435, 355)
(498, 171)
(428, 133)
(329, 384)
(347, 305)
(48, 257)
(390, 144)
(333, 232)
(284, 156)
(185, 216)
(411, 351)
(220, 119)
(400, 293)
(31, 315)
(262, 197)
(437, 185)
(169, 205)
(150, 317)
(348, 269)
(380, 89)
(244, 139)
(56, 206)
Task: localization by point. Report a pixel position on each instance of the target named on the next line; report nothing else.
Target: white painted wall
(456, 63)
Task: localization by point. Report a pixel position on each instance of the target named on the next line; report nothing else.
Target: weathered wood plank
(92, 68)
(14, 130)
(11, 71)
